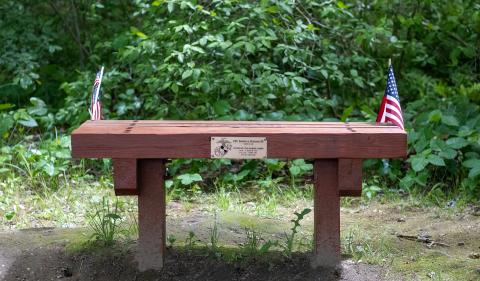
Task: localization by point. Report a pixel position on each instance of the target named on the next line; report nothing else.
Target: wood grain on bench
(191, 139)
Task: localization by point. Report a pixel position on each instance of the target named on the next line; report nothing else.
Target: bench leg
(326, 213)
(151, 214)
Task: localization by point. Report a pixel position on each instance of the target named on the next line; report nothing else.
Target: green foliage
(187, 179)
(254, 247)
(104, 222)
(171, 240)
(214, 236)
(361, 246)
(246, 60)
(445, 146)
(290, 237)
(369, 191)
(297, 168)
(191, 240)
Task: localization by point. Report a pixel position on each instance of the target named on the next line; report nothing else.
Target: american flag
(390, 110)
(96, 106)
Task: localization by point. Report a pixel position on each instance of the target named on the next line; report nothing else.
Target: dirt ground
(371, 248)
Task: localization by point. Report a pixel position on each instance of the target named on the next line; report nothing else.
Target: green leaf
(436, 160)
(28, 123)
(6, 123)
(180, 57)
(157, 3)
(346, 112)
(457, 143)
(359, 82)
(368, 112)
(435, 116)
(294, 170)
(9, 215)
(310, 26)
(4, 106)
(39, 107)
(300, 79)
(242, 115)
(471, 163)
(187, 74)
(174, 88)
(437, 144)
(285, 7)
(448, 153)
(272, 9)
(249, 47)
(240, 176)
(418, 162)
(170, 7)
(324, 73)
(64, 154)
(49, 169)
(187, 179)
(450, 120)
(221, 107)
(138, 33)
(474, 172)
(341, 5)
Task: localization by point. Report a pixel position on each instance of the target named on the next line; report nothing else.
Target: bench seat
(191, 139)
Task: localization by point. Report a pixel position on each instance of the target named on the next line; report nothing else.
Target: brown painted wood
(125, 176)
(350, 177)
(191, 139)
(326, 213)
(151, 214)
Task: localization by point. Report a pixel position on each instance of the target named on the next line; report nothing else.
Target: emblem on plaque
(222, 148)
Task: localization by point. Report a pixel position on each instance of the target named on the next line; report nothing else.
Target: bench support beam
(350, 177)
(151, 214)
(125, 176)
(326, 213)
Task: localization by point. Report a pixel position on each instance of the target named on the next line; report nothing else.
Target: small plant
(253, 246)
(290, 238)
(298, 168)
(191, 240)
(214, 237)
(171, 240)
(370, 191)
(223, 199)
(363, 247)
(104, 222)
(267, 206)
(253, 240)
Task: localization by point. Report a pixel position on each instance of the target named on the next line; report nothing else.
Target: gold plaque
(238, 147)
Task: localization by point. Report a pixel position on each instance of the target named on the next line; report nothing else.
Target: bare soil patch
(371, 248)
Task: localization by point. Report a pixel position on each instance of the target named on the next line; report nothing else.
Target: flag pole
(389, 62)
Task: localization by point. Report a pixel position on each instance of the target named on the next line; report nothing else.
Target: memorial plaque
(238, 147)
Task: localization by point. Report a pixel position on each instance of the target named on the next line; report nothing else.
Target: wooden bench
(139, 149)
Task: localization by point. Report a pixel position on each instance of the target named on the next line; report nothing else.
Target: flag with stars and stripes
(95, 105)
(390, 109)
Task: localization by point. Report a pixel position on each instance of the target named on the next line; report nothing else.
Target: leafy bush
(253, 60)
(445, 146)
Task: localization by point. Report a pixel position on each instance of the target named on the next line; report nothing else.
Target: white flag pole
(389, 62)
